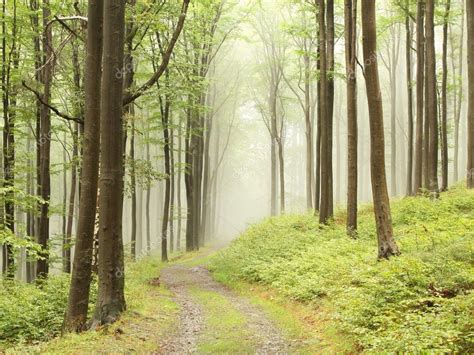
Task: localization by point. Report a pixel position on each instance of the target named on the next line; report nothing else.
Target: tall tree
(420, 74)
(45, 141)
(458, 89)
(324, 212)
(330, 97)
(408, 57)
(10, 62)
(431, 98)
(110, 298)
(350, 21)
(79, 291)
(392, 67)
(386, 243)
(470, 114)
(444, 101)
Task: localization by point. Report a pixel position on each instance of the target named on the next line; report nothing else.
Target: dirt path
(215, 319)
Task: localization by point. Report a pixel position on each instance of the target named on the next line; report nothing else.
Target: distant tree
(274, 50)
(470, 118)
(431, 102)
(350, 16)
(457, 51)
(420, 74)
(386, 243)
(408, 56)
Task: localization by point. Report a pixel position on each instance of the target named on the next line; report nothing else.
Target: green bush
(420, 301)
(30, 312)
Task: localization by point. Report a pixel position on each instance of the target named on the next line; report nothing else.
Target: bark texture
(350, 21)
(386, 243)
(470, 114)
(78, 301)
(111, 299)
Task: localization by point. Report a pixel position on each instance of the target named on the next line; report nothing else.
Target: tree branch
(165, 61)
(52, 108)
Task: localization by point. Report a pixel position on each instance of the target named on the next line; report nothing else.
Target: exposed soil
(180, 279)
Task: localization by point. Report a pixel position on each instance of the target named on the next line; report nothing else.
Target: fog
(240, 141)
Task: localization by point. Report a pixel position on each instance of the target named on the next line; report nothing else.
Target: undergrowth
(31, 314)
(419, 301)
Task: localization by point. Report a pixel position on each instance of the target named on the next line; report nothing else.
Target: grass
(150, 315)
(232, 336)
(309, 331)
(420, 301)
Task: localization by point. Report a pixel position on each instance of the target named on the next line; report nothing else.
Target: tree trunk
(393, 109)
(330, 103)
(178, 185)
(133, 210)
(9, 115)
(45, 143)
(207, 169)
(409, 187)
(386, 243)
(148, 192)
(72, 199)
(324, 205)
(281, 167)
(317, 188)
(444, 102)
(172, 185)
(30, 218)
(78, 301)
(165, 114)
(420, 70)
(188, 172)
(470, 114)
(34, 7)
(64, 207)
(350, 17)
(308, 132)
(458, 96)
(431, 98)
(273, 155)
(111, 299)
(75, 153)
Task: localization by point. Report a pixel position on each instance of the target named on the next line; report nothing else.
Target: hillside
(420, 301)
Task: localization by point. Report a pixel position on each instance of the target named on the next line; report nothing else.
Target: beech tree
(431, 104)
(420, 75)
(386, 243)
(78, 301)
(42, 268)
(470, 114)
(111, 298)
(408, 58)
(325, 101)
(350, 22)
(444, 101)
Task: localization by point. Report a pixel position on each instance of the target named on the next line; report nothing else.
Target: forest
(237, 176)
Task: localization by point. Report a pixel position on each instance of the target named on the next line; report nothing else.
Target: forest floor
(178, 308)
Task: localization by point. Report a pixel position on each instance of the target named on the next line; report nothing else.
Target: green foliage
(420, 301)
(31, 312)
(150, 316)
